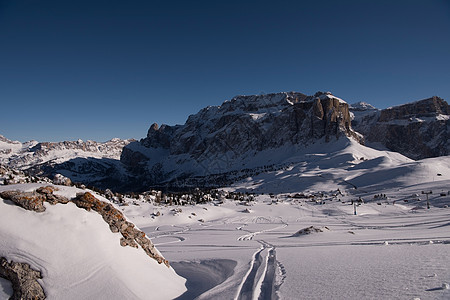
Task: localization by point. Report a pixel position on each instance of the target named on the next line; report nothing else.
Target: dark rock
(310, 230)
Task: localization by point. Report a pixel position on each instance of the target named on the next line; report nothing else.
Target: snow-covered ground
(390, 251)
(392, 248)
(77, 254)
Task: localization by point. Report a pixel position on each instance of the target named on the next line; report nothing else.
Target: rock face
(417, 130)
(23, 279)
(223, 138)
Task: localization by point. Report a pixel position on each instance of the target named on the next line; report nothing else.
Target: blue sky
(103, 69)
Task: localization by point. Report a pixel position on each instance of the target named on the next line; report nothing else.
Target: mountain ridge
(221, 139)
(418, 129)
(247, 134)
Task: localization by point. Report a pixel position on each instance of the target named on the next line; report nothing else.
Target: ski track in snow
(259, 281)
(251, 235)
(266, 275)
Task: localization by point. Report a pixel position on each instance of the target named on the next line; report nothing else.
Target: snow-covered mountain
(287, 164)
(24, 155)
(89, 162)
(246, 133)
(245, 136)
(363, 114)
(418, 130)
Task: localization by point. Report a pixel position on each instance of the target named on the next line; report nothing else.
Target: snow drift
(78, 255)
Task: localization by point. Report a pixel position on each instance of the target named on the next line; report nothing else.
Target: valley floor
(281, 246)
(236, 251)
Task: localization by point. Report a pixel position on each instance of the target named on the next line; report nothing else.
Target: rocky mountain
(243, 137)
(417, 130)
(89, 162)
(246, 133)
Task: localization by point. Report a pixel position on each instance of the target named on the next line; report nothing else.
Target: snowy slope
(344, 164)
(77, 254)
(394, 248)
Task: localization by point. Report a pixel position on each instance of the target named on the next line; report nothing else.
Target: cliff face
(418, 130)
(224, 138)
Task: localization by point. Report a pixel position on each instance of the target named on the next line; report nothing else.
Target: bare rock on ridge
(34, 201)
(131, 236)
(23, 279)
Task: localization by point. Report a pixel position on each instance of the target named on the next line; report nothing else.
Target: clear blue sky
(103, 69)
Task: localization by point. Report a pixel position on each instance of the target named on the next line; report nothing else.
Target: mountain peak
(362, 106)
(220, 139)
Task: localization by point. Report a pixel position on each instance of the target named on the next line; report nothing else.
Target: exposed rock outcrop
(131, 236)
(310, 230)
(30, 201)
(23, 279)
(34, 201)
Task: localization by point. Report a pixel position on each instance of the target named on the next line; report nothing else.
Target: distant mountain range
(245, 136)
(88, 162)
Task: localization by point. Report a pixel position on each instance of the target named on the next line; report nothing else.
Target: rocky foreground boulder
(23, 279)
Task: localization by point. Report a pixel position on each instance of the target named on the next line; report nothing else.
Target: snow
(257, 116)
(361, 106)
(78, 255)
(22, 156)
(392, 248)
(328, 95)
(332, 264)
(404, 122)
(350, 260)
(6, 290)
(441, 117)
